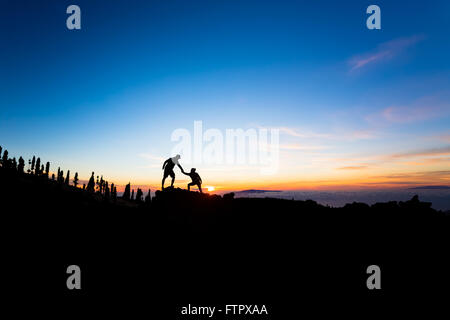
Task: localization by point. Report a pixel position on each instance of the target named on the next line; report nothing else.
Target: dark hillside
(185, 246)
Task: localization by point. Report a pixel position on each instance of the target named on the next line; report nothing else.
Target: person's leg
(172, 174)
(189, 185)
(199, 186)
(164, 179)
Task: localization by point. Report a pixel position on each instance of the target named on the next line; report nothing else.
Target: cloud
(301, 147)
(385, 51)
(294, 132)
(445, 137)
(428, 161)
(422, 109)
(342, 135)
(439, 174)
(353, 168)
(149, 156)
(443, 151)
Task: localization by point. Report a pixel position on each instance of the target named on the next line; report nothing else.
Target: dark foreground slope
(185, 248)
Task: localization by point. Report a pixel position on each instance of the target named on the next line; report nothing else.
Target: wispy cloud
(445, 138)
(342, 135)
(301, 147)
(294, 132)
(149, 156)
(439, 174)
(423, 153)
(353, 168)
(385, 51)
(424, 108)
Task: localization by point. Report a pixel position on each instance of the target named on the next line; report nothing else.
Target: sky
(354, 108)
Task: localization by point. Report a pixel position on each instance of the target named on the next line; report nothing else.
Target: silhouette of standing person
(168, 166)
(196, 180)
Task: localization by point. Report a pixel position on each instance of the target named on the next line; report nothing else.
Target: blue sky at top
(97, 98)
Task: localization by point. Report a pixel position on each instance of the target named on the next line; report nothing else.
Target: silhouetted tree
(14, 163)
(115, 194)
(132, 195)
(91, 184)
(5, 159)
(60, 178)
(126, 193)
(33, 162)
(21, 165)
(58, 174)
(102, 185)
(106, 190)
(47, 169)
(139, 195)
(148, 198)
(84, 186)
(98, 184)
(29, 166)
(1, 151)
(67, 178)
(53, 176)
(42, 169)
(75, 180)
(37, 167)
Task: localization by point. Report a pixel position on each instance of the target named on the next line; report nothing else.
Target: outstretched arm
(181, 168)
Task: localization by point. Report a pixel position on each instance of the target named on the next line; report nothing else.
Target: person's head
(177, 156)
(192, 170)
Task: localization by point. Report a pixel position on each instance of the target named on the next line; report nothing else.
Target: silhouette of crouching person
(196, 180)
(168, 166)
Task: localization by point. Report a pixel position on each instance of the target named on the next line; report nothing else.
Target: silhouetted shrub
(91, 184)
(47, 169)
(33, 162)
(21, 165)
(228, 196)
(67, 178)
(101, 185)
(5, 159)
(114, 195)
(38, 167)
(61, 177)
(75, 180)
(126, 193)
(139, 195)
(148, 198)
(106, 188)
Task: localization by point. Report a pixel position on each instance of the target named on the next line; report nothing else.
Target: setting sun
(211, 188)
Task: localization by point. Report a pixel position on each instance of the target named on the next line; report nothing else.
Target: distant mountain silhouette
(256, 191)
(431, 188)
